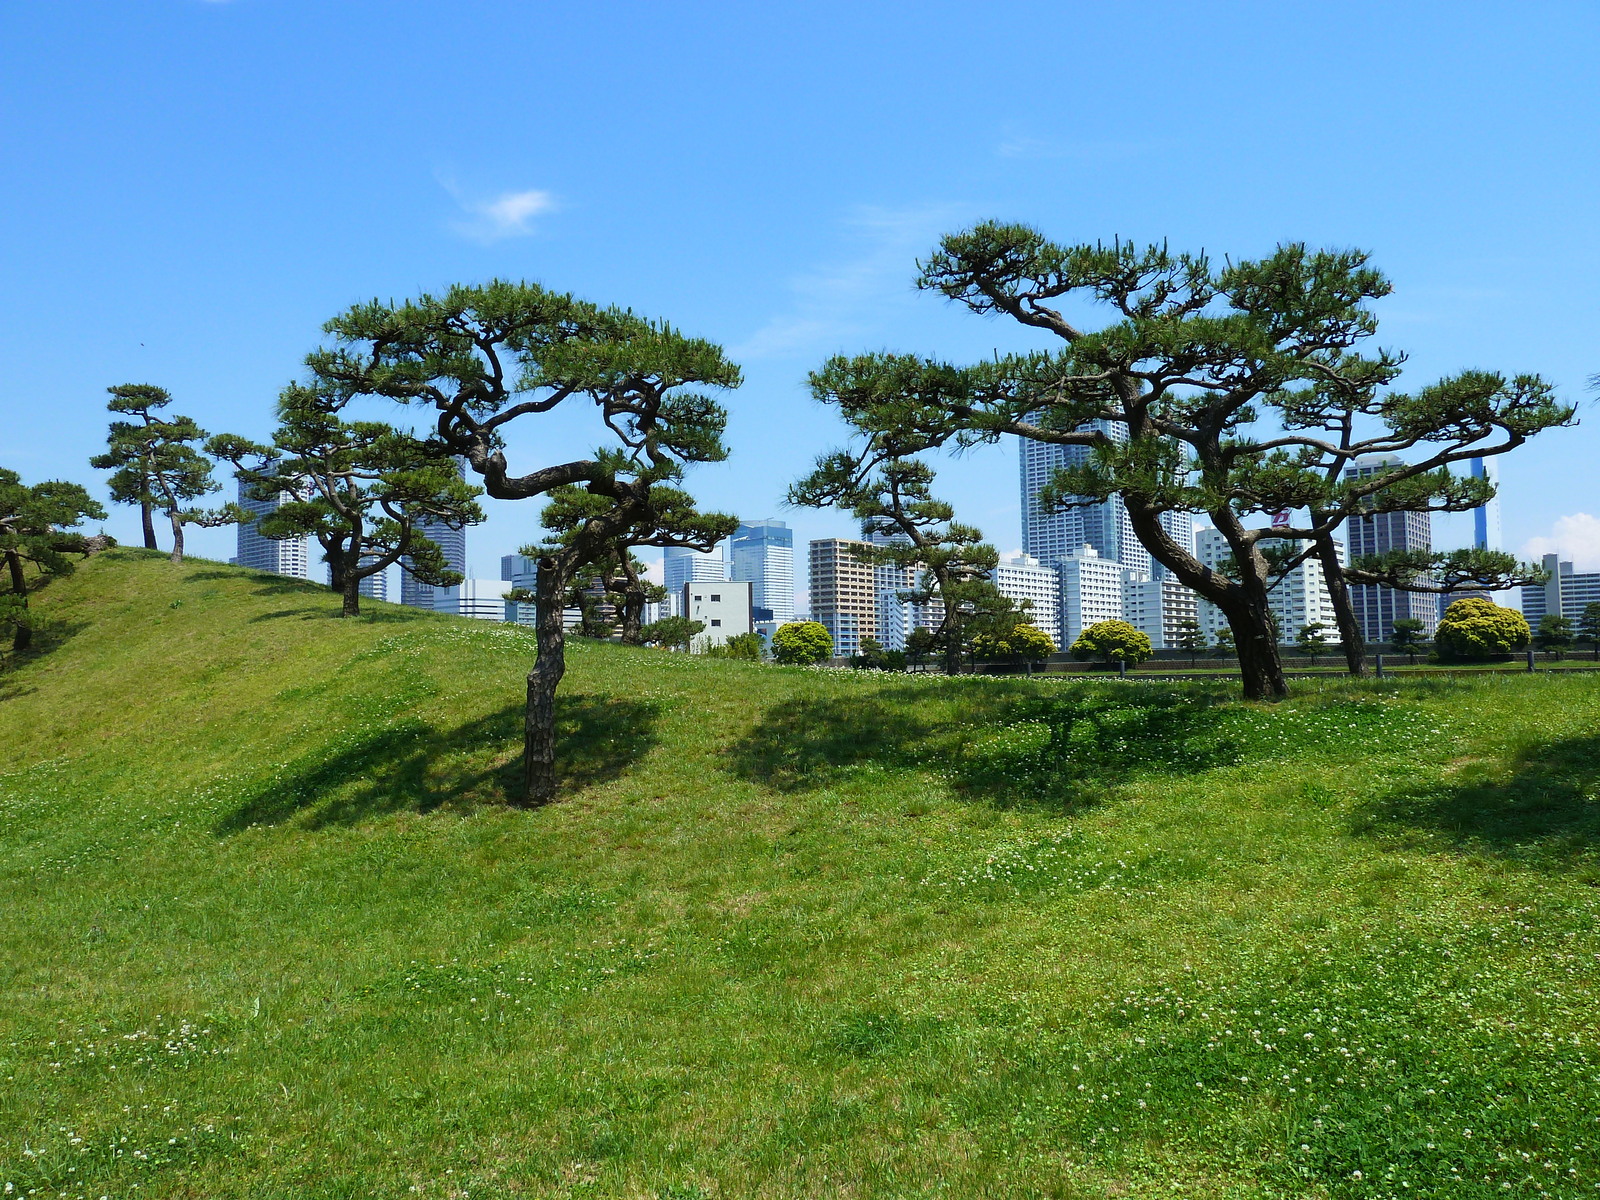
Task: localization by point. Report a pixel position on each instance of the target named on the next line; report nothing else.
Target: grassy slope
(267, 931)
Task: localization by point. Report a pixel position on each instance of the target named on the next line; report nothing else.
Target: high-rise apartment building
(376, 585)
(289, 556)
(1566, 592)
(1157, 607)
(761, 553)
(1091, 591)
(1103, 524)
(453, 543)
(844, 593)
(1378, 608)
(1299, 599)
(1021, 577)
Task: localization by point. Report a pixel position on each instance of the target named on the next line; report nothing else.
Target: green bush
(747, 647)
(1477, 628)
(1024, 642)
(1112, 641)
(802, 644)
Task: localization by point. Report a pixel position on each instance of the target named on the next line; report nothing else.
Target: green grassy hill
(269, 930)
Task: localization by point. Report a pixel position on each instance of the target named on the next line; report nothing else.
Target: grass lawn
(268, 929)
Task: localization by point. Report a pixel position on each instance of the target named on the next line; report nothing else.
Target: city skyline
(237, 262)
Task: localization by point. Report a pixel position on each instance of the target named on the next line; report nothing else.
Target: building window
(715, 624)
(715, 599)
(697, 597)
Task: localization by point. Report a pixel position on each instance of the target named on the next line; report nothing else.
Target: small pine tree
(36, 535)
(1407, 637)
(1191, 640)
(1589, 626)
(672, 633)
(1554, 635)
(1311, 640)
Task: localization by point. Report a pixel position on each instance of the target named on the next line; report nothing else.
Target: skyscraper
(376, 585)
(454, 544)
(844, 593)
(1103, 524)
(1378, 608)
(1486, 517)
(762, 554)
(290, 556)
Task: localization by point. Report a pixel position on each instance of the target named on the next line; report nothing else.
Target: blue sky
(190, 188)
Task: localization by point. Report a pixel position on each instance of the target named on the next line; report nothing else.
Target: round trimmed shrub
(802, 644)
(1478, 628)
(1112, 641)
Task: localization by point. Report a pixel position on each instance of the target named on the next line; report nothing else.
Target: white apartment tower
(1299, 599)
(289, 556)
(1020, 577)
(1091, 591)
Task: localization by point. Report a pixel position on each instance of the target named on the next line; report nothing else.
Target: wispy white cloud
(507, 215)
(840, 301)
(1575, 537)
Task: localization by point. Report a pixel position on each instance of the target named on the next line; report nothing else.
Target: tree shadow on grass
(331, 612)
(49, 635)
(266, 582)
(412, 766)
(1058, 746)
(1542, 808)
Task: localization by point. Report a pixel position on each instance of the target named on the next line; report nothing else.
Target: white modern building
(1566, 593)
(1091, 591)
(1299, 599)
(762, 554)
(1023, 578)
(680, 565)
(1158, 608)
(723, 607)
(286, 556)
(481, 599)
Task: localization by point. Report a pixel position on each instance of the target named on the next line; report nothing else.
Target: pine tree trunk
(22, 636)
(632, 616)
(1353, 641)
(352, 595)
(177, 537)
(1260, 663)
(539, 725)
(147, 516)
